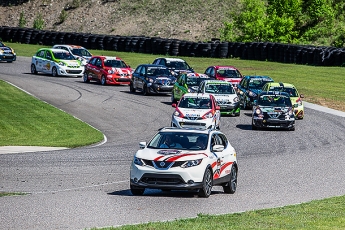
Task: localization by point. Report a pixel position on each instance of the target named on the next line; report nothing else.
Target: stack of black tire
(262, 51)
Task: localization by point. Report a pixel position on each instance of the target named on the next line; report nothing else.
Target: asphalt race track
(89, 187)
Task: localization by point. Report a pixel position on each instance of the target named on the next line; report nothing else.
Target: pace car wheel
(54, 72)
(145, 90)
(137, 191)
(103, 80)
(131, 87)
(33, 69)
(86, 78)
(207, 184)
(231, 186)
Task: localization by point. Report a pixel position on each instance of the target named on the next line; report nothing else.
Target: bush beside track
(261, 51)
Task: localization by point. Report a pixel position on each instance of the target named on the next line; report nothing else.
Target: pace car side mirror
(142, 144)
(218, 148)
(301, 95)
(217, 107)
(173, 105)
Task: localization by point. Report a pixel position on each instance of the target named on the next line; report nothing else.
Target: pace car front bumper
(174, 178)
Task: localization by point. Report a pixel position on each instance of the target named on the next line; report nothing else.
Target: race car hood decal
(224, 96)
(6, 49)
(193, 112)
(70, 62)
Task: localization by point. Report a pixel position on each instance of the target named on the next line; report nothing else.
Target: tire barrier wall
(261, 51)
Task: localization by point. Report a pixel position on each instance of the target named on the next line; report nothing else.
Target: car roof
(153, 65)
(281, 84)
(224, 67)
(70, 46)
(172, 59)
(278, 93)
(188, 130)
(197, 95)
(54, 50)
(255, 76)
(217, 82)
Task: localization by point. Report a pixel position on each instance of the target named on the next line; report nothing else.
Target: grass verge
(27, 121)
(320, 214)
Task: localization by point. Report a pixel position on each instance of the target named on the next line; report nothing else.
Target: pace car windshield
(179, 140)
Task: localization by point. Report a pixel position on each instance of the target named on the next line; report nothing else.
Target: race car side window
(93, 61)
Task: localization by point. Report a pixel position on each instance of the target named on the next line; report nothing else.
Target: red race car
(108, 71)
(225, 73)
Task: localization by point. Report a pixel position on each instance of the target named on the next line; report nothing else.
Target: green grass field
(321, 85)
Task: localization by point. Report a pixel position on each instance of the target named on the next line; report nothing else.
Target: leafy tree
(22, 20)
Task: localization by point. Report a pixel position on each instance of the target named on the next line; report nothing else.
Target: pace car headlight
(191, 163)
(62, 63)
(251, 94)
(110, 71)
(138, 161)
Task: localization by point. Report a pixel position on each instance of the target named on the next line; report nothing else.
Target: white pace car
(185, 159)
(196, 110)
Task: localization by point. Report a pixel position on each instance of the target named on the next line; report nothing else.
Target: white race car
(196, 110)
(79, 52)
(225, 95)
(185, 159)
(57, 62)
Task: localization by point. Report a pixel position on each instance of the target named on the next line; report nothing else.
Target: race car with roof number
(7, 53)
(108, 71)
(296, 98)
(273, 109)
(196, 110)
(57, 62)
(185, 159)
(225, 95)
(225, 73)
(249, 88)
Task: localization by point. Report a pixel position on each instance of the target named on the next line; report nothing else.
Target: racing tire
(244, 104)
(254, 127)
(54, 72)
(231, 186)
(137, 191)
(173, 100)
(103, 80)
(33, 69)
(131, 88)
(86, 78)
(207, 184)
(145, 90)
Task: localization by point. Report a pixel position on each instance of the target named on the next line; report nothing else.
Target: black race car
(7, 53)
(152, 79)
(273, 109)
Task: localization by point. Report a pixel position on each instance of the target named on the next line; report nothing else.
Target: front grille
(161, 179)
(123, 79)
(74, 71)
(163, 165)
